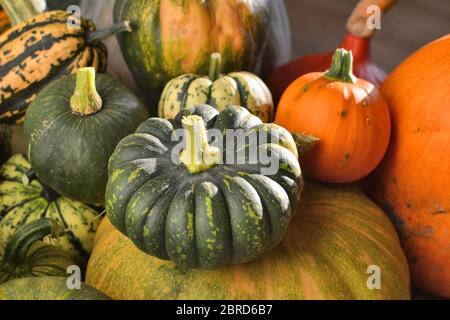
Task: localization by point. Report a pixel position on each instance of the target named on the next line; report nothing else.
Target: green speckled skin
(172, 38)
(47, 288)
(70, 152)
(230, 213)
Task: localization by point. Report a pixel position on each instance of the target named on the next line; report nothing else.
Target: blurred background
(319, 25)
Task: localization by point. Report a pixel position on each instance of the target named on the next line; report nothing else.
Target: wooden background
(319, 25)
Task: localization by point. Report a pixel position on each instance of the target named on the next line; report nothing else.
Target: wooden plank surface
(319, 25)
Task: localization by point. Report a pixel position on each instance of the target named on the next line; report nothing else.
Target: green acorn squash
(40, 50)
(237, 88)
(72, 129)
(24, 199)
(196, 207)
(25, 255)
(47, 288)
(171, 38)
(333, 240)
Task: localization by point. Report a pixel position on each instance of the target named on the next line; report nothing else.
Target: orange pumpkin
(413, 181)
(347, 114)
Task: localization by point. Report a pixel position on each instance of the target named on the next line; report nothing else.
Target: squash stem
(20, 10)
(97, 36)
(14, 261)
(85, 100)
(341, 67)
(215, 66)
(304, 142)
(198, 155)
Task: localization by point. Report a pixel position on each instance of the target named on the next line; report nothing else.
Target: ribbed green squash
(332, 241)
(24, 199)
(47, 288)
(237, 88)
(171, 38)
(203, 213)
(25, 255)
(40, 50)
(72, 129)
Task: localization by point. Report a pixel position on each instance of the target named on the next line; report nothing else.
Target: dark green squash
(24, 199)
(217, 90)
(171, 38)
(205, 212)
(40, 50)
(72, 129)
(47, 288)
(25, 255)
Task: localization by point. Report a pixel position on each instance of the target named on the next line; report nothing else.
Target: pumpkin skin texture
(172, 38)
(47, 288)
(202, 216)
(237, 88)
(23, 200)
(333, 239)
(70, 151)
(25, 255)
(413, 181)
(347, 114)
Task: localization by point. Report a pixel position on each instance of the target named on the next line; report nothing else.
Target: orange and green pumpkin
(171, 38)
(337, 236)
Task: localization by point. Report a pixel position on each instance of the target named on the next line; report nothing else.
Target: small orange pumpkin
(347, 114)
(413, 182)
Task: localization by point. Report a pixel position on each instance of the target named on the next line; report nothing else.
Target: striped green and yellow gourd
(41, 49)
(24, 199)
(217, 90)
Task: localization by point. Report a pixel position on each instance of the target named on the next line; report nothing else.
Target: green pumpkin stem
(215, 66)
(341, 67)
(20, 10)
(304, 142)
(198, 155)
(85, 100)
(14, 261)
(97, 36)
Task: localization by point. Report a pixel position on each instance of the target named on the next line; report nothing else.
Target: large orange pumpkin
(347, 114)
(330, 251)
(413, 182)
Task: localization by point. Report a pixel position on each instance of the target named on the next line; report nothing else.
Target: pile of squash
(100, 187)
